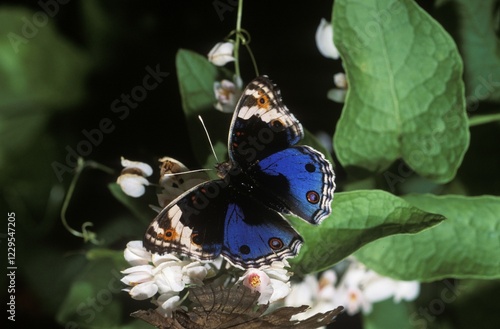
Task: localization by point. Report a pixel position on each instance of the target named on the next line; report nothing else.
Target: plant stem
(238, 38)
(482, 119)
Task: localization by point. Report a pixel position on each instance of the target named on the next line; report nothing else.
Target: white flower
(321, 295)
(142, 281)
(338, 94)
(406, 290)
(354, 301)
(132, 185)
(361, 287)
(257, 280)
(340, 80)
(166, 275)
(227, 94)
(270, 281)
(324, 40)
(221, 53)
(136, 254)
(168, 303)
(132, 179)
(144, 169)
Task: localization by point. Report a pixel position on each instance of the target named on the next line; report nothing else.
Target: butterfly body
(239, 215)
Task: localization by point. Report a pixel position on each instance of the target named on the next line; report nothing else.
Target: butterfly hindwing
(255, 235)
(192, 224)
(300, 179)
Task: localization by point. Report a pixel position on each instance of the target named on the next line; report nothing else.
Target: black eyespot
(196, 239)
(277, 124)
(262, 100)
(312, 197)
(244, 249)
(310, 167)
(276, 243)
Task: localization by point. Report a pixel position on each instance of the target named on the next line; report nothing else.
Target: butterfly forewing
(261, 125)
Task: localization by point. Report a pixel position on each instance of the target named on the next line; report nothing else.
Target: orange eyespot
(168, 235)
(263, 101)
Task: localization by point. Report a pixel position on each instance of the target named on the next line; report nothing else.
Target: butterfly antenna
(186, 172)
(209, 140)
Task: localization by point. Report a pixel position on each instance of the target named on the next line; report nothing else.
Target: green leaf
(406, 96)
(477, 36)
(466, 245)
(357, 218)
(196, 84)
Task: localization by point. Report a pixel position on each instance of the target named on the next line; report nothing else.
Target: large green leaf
(357, 218)
(477, 37)
(466, 245)
(406, 95)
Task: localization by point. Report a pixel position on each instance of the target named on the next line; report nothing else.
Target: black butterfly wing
(192, 224)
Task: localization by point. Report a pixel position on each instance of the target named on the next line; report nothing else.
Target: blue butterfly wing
(215, 218)
(297, 180)
(255, 235)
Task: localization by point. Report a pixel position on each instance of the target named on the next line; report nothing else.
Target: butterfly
(240, 215)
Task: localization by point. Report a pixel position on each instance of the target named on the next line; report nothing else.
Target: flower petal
(167, 304)
(136, 254)
(221, 53)
(132, 185)
(143, 291)
(194, 273)
(406, 290)
(144, 168)
(324, 40)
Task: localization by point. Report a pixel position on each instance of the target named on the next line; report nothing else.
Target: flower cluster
(357, 290)
(165, 275)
